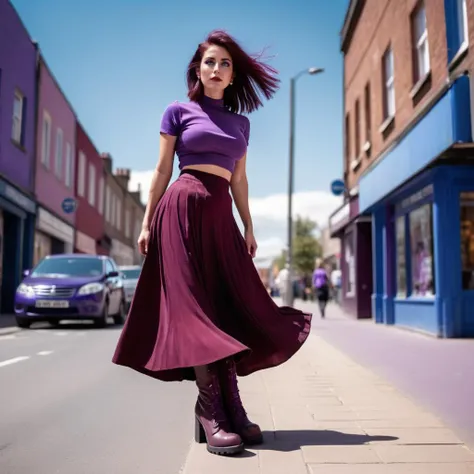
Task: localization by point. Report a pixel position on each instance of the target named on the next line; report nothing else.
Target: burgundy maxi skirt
(199, 297)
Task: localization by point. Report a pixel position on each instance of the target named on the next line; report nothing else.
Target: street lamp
(289, 285)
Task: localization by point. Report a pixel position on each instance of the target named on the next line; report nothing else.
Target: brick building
(90, 196)
(118, 213)
(410, 183)
(54, 177)
(134, 212)
(18, 58)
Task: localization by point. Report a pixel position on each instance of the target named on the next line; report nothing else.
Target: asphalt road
(66, 409)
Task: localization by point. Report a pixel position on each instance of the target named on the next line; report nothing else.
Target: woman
(200, 311)
(321, 286)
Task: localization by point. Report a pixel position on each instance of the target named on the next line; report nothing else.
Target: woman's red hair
(250, 75)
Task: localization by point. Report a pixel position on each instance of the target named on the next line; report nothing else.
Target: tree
(306, 247)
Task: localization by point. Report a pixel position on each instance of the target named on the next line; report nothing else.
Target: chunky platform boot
(250, 432)
(212, 425)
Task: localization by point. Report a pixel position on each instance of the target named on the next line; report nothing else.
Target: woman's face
(216, 70)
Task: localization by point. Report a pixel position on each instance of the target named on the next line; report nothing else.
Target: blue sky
(121, 62)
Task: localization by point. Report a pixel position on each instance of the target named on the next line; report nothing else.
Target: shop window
(421, 247)
(467, 240)
(350, 264)
(401, 258)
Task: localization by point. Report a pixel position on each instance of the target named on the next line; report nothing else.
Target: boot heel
(199, 434)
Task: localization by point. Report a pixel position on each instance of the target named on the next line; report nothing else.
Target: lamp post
(289, 285)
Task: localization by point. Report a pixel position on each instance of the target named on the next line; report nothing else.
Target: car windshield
(68, 266)
(131, 273)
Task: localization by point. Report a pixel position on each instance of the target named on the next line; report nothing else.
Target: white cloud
(142, 178)
(269, 213)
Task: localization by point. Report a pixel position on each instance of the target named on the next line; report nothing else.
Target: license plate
(52, 304)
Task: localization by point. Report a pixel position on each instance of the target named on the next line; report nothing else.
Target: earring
(231, 83)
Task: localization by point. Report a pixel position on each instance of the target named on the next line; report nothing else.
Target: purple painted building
(56, 143)
(355, 233)
(18, 56)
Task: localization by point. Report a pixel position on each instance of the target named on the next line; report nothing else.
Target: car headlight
(91, 288)
(25, 290)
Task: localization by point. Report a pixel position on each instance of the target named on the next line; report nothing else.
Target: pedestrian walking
(200, 311)
(321, 286)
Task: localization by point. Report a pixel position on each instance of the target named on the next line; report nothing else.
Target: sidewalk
(322, 413)
(8, 324)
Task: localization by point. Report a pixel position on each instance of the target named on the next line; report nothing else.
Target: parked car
(72, 287)
(130, 274)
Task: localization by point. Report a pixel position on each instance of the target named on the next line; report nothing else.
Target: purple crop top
(208, 133)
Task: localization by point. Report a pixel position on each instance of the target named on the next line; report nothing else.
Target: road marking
(13, 361)
(61, 333)
(9, 336)
(44, 353)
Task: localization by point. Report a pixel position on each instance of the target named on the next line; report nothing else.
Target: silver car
(130, 274)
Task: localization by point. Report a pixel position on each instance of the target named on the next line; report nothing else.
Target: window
(389, 86)
(100, 204)
(46, 139)
(68, 166)
(421, 59)
(113, 212)
(107, 204)
(58, 162)
(421, 246)
(401, 258)
(91, 196)
(357, 128)
(119, 214)
(350, 264)
(18, 117)
(467, 240)
(367, 112)
(127, 223)
(348, 138)
(81, 178)
(462, 22)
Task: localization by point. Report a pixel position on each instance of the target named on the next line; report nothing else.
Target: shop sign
(17, 197)
(340, 218)
(51, 225)
(84, 243)
(416, 197)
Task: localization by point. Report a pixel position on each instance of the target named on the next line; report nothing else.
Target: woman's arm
(161, 177)
(240, 192)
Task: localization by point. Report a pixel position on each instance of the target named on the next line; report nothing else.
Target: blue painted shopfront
(422, 207)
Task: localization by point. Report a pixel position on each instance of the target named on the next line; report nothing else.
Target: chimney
(107, 161)
(123, 176)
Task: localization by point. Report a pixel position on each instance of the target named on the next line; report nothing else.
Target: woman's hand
(143, 241)
(251, 242)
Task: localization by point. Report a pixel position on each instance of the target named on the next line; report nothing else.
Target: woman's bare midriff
(211, 169)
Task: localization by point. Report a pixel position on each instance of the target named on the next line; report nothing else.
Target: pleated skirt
(199, 298)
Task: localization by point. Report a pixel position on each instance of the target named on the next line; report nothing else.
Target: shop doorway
(11, 260)
(57, 246)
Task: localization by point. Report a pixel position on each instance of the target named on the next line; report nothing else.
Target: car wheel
(102, 321)
(23, 323)
(119, 318)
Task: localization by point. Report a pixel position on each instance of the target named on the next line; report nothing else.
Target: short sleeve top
(208, 133)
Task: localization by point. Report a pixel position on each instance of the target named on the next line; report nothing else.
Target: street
(65, 408)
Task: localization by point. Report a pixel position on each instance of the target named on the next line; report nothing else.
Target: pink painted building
(54, 182)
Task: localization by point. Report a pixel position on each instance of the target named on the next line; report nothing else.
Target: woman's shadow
(292, 440)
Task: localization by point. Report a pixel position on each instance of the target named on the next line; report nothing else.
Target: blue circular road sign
(338, 187)
(69, 205)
